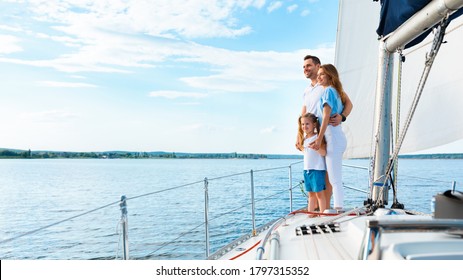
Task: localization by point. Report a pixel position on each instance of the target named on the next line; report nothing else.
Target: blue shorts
(314, 180)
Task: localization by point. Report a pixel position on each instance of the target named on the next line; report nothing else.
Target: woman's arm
(322, 150)
(347, 107)
(325, 120)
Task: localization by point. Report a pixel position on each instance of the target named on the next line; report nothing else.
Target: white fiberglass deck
(344, 239)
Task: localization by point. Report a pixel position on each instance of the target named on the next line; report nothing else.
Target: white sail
(437, 120)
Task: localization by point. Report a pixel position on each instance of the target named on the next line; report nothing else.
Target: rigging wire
(56, 223)
(397, 125)
(437, 42)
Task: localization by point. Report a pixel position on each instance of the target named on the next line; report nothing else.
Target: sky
(164, 75)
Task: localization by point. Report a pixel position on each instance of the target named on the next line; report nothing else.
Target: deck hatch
(317, 229)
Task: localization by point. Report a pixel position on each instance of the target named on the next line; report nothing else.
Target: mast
(426, 18)
(380, 184)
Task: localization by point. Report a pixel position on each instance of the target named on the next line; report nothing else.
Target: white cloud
(65, 84)
(189, 103)
(193, 18)
(305, 12)
(258, 3)
(65, 40)
(66, 65)
(49, 116)
(268, 130)
(292, 8)
(193, 127)
(204, 127)
(170, 94)
(9, 44)
(77, 77)
(229, 83)
(104, 36)
(10, 28)
(274, 6)
(252, 71)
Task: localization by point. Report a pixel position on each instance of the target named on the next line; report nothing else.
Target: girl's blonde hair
(332, 73)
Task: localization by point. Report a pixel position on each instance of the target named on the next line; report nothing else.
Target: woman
(331, 103)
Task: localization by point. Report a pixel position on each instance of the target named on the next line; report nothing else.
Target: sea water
(69, 208)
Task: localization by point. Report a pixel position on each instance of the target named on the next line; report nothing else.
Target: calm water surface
(166, 202)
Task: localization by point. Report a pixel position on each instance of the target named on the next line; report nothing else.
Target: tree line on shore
(28, 154)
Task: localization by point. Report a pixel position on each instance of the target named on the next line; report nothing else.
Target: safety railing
(208, 219)
(124, 203)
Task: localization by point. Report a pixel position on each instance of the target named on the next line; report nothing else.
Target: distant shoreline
(28, 154)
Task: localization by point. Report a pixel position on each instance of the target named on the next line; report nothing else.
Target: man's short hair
(315, 59)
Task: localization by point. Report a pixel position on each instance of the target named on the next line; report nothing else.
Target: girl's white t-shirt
(312, 159)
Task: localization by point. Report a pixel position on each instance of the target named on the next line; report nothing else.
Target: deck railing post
(290, 190)
(206, 210)
(125, 226)
(253, 205)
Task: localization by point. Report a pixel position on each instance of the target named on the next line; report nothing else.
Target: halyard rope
(437, 42)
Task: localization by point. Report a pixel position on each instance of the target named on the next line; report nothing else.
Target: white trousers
(336, 144)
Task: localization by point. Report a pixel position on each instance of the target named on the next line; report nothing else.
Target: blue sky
(181, 76)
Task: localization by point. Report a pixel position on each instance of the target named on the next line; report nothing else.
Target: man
(312, 96)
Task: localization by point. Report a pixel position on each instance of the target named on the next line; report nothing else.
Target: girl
(314, 162)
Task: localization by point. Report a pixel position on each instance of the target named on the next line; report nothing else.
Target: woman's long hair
(332, 73)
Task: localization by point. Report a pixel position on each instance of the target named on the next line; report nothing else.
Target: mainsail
(437, 120)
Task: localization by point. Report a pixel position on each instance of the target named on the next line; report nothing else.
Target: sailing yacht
(409, 37)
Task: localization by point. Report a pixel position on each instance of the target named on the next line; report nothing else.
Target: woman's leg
(336, 145)
(328, 192)
(334, 168)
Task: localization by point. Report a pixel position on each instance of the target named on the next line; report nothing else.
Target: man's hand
(335, 120)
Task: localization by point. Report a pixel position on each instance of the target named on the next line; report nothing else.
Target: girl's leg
(321, 200)
(312, 202)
